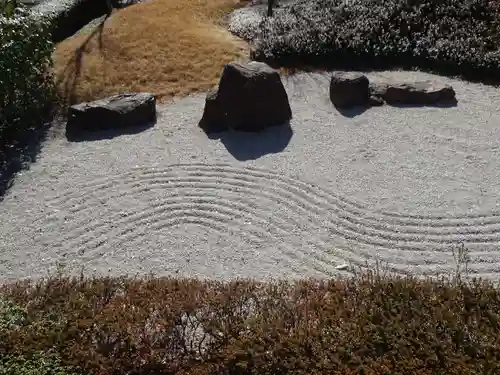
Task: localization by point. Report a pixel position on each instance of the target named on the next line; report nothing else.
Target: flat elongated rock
(415, 93)
(250, 97)
(117, 111)
(349, 89)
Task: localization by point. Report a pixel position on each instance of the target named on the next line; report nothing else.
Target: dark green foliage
(26, 82)
(456, 37)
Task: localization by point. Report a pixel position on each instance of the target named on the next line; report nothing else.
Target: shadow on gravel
(352, 112)
(452, 104)
(19, 156)
(109, 133)
(359, 110)
(250, 146)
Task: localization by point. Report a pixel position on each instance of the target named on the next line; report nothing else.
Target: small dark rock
(418, 93)
(250, 97)
(112, 113)
(349, 89)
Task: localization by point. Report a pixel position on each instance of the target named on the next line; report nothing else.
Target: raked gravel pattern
(395, 186)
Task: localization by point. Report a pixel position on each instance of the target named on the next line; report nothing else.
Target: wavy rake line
(385, 229)
(219, 220)
(397, 235)
(359, 257)
(349, 204)
(203, 222)
(170, 215)
(183, 218)
(343, 226)
(361, 231)
(398, 268)
(349, 216)
(356, 206)
(235, 209)
(298, 262)
(256, 191)
(377, 214)
(278, 226)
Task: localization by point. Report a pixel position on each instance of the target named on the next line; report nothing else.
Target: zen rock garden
(251, 97)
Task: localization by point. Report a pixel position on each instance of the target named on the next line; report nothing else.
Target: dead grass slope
(167, 47)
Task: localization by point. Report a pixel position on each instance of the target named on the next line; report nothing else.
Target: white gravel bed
(401, 186)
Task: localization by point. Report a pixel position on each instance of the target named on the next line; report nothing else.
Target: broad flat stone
(415, 93)
(113, 112)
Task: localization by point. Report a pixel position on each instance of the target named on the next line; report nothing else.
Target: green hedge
(451, 37)
(26, 81)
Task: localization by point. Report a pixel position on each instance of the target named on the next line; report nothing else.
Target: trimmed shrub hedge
(455, 37)
(26, 82)
(370, 324)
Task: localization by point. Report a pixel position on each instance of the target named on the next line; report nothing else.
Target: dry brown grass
(167, 47)
(367, 325)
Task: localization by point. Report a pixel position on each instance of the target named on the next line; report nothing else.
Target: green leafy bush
(26, 82)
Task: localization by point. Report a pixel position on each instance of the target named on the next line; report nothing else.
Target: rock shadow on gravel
(359, 110)
(449, 104)
(73, 135)
(353, 111)
(245, 146)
